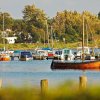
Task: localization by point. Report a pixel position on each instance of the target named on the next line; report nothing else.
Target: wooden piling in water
(44, 86)
(0, 83)
(82, 82)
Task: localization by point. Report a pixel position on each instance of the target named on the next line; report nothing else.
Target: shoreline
(30, 46)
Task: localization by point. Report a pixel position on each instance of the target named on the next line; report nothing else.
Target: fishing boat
(77, 64)
(25, 56)
(85, 65)
(64, 54)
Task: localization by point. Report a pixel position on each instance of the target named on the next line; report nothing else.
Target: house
(11, 40)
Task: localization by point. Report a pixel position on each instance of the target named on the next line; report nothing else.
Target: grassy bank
(25, 46)
(67, 91)
(36, 45)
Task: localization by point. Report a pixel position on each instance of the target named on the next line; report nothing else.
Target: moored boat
(85, 65)
(43, 53)
(77, 64)
(4, 57)
(64, 54)
(38, 57)
(25, 55)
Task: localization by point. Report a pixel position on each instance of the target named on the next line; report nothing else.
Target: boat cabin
(45, 52)
(86, 51)
(64, 54)
(25, 55)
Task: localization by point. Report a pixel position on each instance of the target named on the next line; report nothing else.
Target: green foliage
(11, 93)
(56, 44)
(8, 21)
(18, 25)
(36, 21)
(99, 15)
(36, 26)
(68, 25)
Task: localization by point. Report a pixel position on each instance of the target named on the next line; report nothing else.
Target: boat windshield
(58, 52)
(26, 53)
(85, 50)
(66, 51)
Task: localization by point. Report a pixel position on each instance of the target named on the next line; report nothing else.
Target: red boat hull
(89, 65)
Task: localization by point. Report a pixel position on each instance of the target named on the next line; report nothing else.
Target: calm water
(18, 73)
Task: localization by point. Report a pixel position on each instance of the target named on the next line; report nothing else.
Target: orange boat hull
(90, 65)
(4, 58)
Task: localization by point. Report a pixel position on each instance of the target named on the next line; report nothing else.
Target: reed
(67, 91)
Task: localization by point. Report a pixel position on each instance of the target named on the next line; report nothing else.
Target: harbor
(49, 50)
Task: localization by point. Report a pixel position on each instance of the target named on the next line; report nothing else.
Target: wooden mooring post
(0, 83)
(44, 86)
(82, 82)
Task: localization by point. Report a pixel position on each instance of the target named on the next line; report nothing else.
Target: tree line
(36, 26)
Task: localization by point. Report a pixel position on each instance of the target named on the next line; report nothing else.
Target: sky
(50, 7)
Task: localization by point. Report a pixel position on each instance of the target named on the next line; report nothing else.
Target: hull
(5, 58)
(25, 56)
(87, 65)
(25, 59)
(38, 57)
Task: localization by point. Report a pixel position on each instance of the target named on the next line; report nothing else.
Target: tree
(18, 25)
(8, 21)
(67, 25)
(99, 15)
(35, 20)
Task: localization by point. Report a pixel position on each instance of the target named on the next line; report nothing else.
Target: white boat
(87, 53)
(38, 55)
(45, 53)
(64, 54)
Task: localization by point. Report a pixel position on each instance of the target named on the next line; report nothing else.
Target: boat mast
(52, 35)
(87, 36)
(83, 41)
(47, 33)
(3, 33)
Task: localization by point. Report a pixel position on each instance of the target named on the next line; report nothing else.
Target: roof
(46, 48)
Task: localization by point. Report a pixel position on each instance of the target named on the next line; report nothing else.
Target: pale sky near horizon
(50, 7)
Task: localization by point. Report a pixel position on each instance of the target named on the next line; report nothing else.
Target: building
(11, 40)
